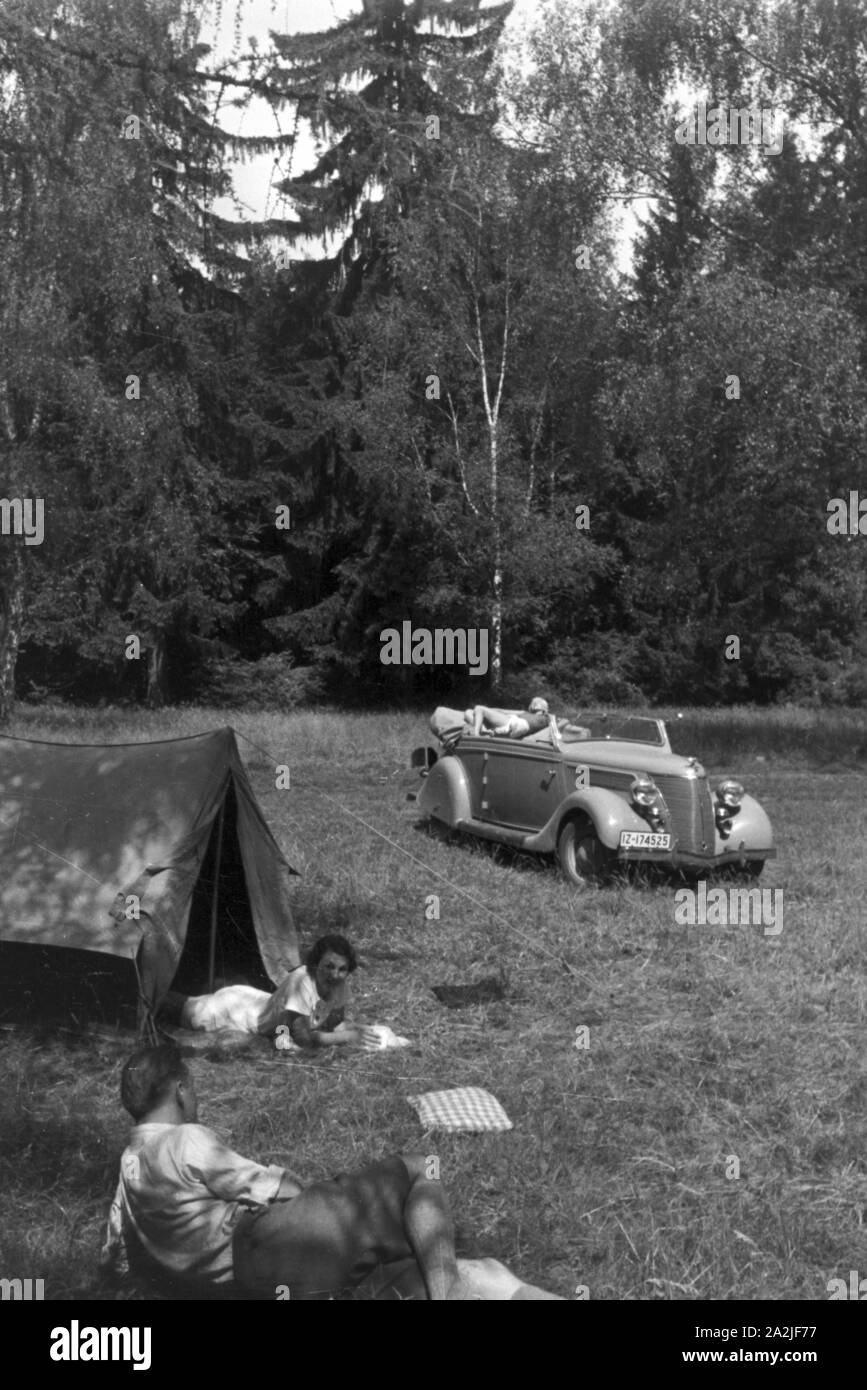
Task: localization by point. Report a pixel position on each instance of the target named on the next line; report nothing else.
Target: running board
(485, 831)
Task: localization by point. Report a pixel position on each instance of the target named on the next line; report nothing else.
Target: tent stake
(212, 945)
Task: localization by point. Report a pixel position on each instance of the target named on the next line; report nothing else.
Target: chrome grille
(690, 804)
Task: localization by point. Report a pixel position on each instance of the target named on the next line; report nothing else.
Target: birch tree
(469, 407)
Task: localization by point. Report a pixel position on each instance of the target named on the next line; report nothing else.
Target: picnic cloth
(466, 1108)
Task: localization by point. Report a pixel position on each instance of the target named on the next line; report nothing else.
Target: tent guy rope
(443, 878)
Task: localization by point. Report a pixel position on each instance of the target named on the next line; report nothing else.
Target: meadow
(706, 1045)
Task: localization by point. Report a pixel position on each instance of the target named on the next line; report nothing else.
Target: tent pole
(212, 945)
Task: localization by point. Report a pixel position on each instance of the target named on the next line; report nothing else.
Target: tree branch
(181, 70)
(798, 77)
(505, 349)
(483, 366)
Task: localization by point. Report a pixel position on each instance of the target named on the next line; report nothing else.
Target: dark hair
(332, 942)
(147, 1076)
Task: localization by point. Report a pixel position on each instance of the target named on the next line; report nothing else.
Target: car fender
(752, 826)
(609, 813)
(445, 792)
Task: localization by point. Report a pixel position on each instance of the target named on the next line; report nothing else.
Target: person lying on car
(450, 725)
(510, 723)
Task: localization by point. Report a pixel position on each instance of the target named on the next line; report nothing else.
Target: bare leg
(485, 717)
(481, 1280)
(492, 1281)
(431, 1234)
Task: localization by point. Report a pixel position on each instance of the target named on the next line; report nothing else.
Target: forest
(525, 355)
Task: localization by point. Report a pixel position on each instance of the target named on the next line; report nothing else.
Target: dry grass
(704, 1043)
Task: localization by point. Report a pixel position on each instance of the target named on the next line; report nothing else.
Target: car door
(522, 784)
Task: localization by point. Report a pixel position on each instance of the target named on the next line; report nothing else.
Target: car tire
(581, 854)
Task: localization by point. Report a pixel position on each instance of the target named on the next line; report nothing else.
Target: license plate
(644, 839)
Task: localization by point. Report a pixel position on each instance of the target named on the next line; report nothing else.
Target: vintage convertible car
(608, 792)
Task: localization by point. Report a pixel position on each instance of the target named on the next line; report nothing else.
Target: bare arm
(288, 1188)
(332, 1035)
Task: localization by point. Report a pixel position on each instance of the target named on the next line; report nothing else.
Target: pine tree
(674, 233)
(392, 94)
(382, 91)
(106, 158)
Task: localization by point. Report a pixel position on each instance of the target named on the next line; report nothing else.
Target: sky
(254, 180)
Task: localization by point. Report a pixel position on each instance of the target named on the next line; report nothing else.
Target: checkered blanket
(467, 1108)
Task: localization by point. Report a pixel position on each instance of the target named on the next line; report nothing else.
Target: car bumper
(684, 859)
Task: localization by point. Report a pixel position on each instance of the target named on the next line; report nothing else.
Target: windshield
(630, 728)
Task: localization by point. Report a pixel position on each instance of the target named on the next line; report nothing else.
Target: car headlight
(645, 792)
(730, 794)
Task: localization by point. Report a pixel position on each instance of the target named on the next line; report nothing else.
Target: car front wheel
(582, 855)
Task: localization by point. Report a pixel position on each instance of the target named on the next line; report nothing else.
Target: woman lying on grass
(308, 1008)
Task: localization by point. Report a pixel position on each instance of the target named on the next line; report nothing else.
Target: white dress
(236, 1006)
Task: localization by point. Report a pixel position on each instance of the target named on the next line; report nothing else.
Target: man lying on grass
(190, 1208)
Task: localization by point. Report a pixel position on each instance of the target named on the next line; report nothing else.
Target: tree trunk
(11, 619)
(496, 663)
(156, 692)
(497, 625)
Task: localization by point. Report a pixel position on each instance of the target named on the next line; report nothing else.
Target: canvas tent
(86, 830)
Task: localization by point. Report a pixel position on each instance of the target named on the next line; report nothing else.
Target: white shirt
(181, 1192)
(298, 995)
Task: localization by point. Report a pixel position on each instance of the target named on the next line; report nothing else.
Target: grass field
(705, 1044)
